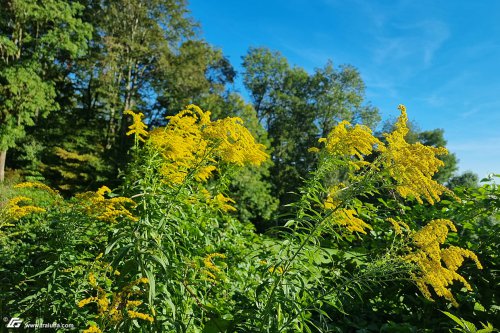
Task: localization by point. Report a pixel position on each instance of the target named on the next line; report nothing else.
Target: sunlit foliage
(165, 253)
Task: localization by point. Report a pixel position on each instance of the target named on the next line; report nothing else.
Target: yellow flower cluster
(234, 143)
(182, 145)
(133, 304)
(430, 237)
(277, 269)
(396, 225)
(38, 185)
(429, 257)
(139, 315)
(217, 202)
(332, 201)
(138, 127)
(347, 218)
(92, 329)
(110, 305)
(454, 256)
(204, 173)
(192, 143)
(107, 210)
(412, 165)
(16, 211)
(210, 269)
(346, 140)
(223, 203)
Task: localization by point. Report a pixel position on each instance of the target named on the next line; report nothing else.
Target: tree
(35, 38)
(143, 55)
(467, 179)
(198, 73)
(132, 44)
(297, 108)
(339, 95)
(436, 138)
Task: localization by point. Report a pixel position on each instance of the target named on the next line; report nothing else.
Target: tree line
(70, 70)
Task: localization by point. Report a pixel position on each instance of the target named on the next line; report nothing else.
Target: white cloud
(401, 43)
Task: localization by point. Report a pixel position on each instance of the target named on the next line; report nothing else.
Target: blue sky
(439, 58)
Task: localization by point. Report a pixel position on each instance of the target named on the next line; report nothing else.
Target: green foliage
(167, 257)
(466, 326)
(24, 94)
(35, 38)
(477, 219)
(467, 179)
(297, 108)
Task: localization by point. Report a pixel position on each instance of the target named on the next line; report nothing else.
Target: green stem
(289, 262)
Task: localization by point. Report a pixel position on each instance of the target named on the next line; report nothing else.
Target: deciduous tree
(34, 37)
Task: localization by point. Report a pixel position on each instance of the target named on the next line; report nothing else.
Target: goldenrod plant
(165, 253)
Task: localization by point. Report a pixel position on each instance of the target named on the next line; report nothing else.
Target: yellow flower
(413, 165)
(192, 144)
(86, 301)
(432, 235)
(16, 212)
(332, 199)
(102, 301)
(454, 256)
(208, 261)
(133, 304)
(16, 200)
(111, 305)
(92, 329)
(211, 270)
(204, 173)
(346, 140)
(92, 280)
(143, 316)
(234, 143)
(103, 190)
(38, 185)
(141, 280)
(347, 218)
(210, 276)
(181, 144)
(278, 269)
(138, 127)
(222, 202)
(104, 209)
(397, 225)
(429, 256)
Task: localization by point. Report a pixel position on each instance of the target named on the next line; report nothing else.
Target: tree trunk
(3, 157)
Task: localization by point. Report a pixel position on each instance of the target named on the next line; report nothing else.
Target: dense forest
(140, 192)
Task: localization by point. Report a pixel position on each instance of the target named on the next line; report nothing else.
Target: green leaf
(216, 325)
(454, 318)
(152, 286)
